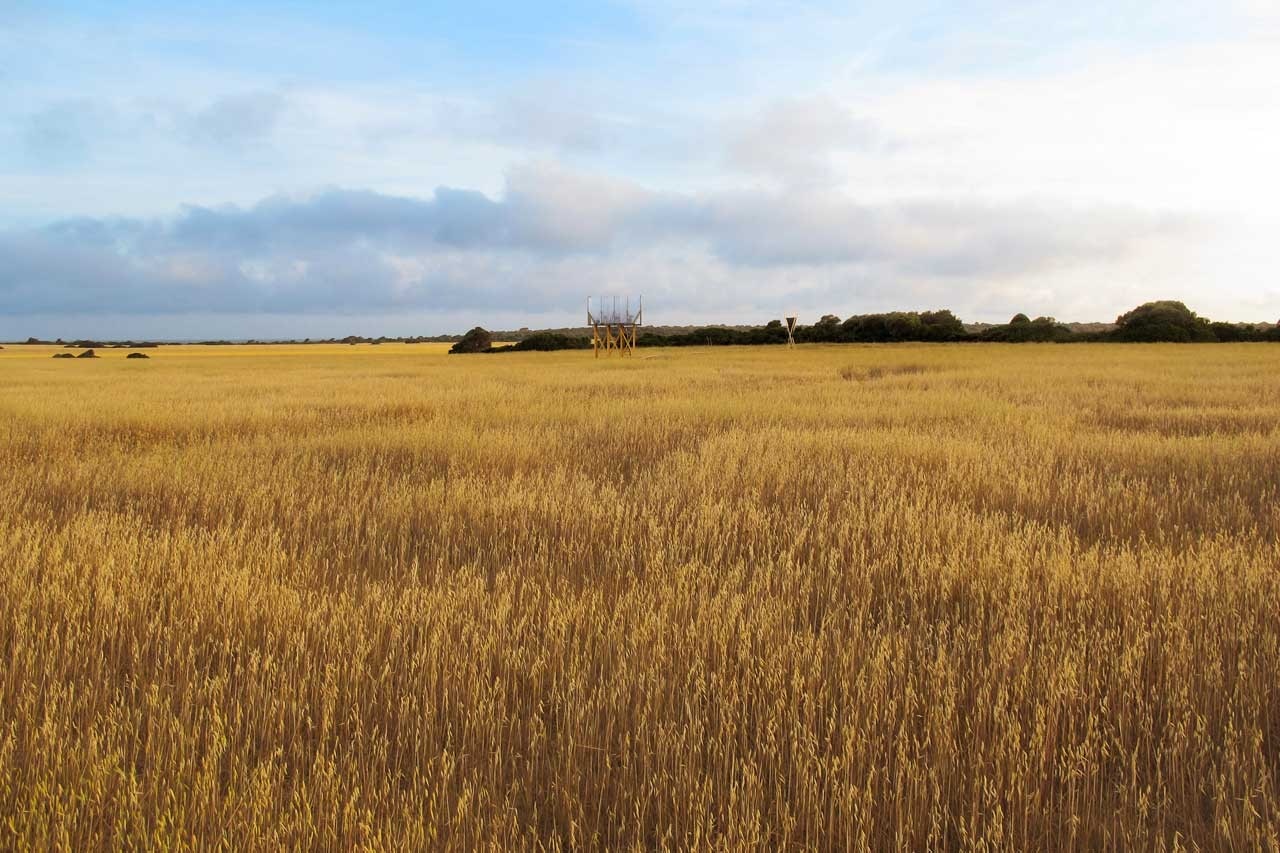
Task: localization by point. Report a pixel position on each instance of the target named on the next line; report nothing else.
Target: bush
(1234, 332)
(1022, 329)
(903, 326)
(476, 340)
(1165, 320)
(137, 355)
(549, 342)
(708, 337)
(826, 330)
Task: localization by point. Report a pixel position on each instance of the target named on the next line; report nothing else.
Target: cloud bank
(550, 239)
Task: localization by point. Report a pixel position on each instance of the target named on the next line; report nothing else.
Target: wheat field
(845, 597)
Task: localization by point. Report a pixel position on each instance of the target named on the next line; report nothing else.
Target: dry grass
(1002, 597)
(859, 373)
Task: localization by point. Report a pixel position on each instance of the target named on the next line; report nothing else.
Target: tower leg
(619, 337)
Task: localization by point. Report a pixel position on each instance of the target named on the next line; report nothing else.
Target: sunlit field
(845, 597)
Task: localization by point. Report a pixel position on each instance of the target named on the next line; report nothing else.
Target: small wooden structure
(613, 324)
(791, 328)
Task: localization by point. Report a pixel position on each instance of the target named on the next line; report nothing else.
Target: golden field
(847, 597)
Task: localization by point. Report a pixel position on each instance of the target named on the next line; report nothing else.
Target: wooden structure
(613, 325)
(791, 328)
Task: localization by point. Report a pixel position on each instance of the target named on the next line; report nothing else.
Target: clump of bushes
(771, 333)
(548, 342)
(1165, 320)
(864, 328)
(476, 340)
(137, 355)
(892, 327)
(1022, 329)
(479, 340)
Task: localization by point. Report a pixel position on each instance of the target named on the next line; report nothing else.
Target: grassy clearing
(845, 597)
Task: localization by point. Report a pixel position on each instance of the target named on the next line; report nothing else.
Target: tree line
(1161, 321)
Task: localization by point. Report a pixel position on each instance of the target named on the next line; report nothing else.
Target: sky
(280, 170)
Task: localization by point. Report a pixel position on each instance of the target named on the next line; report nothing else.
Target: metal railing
(614, 311)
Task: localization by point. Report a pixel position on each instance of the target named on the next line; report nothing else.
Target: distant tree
(826, 330)
(1230, 332)
(942, 326)
(772, 332)
(1022, 329)
(1165, 320)
(903, 326)
(476, 340)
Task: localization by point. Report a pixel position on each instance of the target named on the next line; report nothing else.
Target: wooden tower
(791, 328)
(613, 325)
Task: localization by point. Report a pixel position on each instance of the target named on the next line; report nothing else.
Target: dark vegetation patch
(546, 342)
(476, 340)
(1162, 321)
(880, 371)
(480, 340)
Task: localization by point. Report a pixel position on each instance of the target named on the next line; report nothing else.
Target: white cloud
(556, 236)
(793, 139)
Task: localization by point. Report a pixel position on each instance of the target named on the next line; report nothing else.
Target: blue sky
(306, 169)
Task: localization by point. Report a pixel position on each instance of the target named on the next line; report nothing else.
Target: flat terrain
(849, 597)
